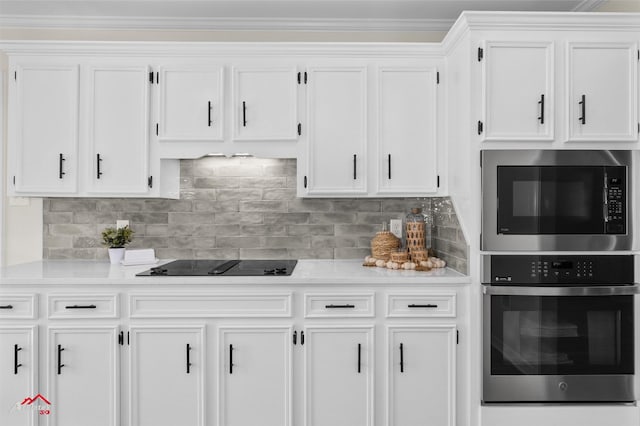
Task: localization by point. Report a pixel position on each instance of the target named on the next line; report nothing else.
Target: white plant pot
(116, 255)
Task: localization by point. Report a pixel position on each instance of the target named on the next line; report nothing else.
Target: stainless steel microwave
(556, 200)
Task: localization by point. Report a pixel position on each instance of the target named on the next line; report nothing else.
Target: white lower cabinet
(166, 375)
(18, 373)
(83, 376)
(421, 377)
(338, 376)
(254, 376)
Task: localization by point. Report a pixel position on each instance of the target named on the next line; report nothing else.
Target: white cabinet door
(338, 376)
(167, 376)
(254, 376)
(407, 131)
(603, 92)
(18, 372)
(118, 129)
(265, 103)
(43, 130)
(517, 91)
(191, 104)
(337, 138)
(421, 376)
(83, 376)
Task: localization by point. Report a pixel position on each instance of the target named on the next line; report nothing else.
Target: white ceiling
(392, 15)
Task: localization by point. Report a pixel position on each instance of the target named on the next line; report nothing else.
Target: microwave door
(550, 200)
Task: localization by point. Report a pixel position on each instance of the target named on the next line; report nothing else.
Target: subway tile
(356, 205)
(239, 242)
(263, 206)
(215, 183)
(238, 194)
(120, 205)
(366, 229)
(333, 242)
(249, 230)
(59, 241)
(82, 217)
(312, 230)
(144, 218)
(54, 217)
(192, 242)
(216, 206)
(199, 194)
(285, 167)
(332, 218)
(242, 218)
(174, 253)
(72, 229)
(168, 205)
(286, 218)
(377, 218)
(189, 218)
(310, 205)
(72, 204)
(272, 193)
(262, 182)
(86, 242)
(287, 242)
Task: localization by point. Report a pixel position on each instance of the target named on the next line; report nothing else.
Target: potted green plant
(116, 239)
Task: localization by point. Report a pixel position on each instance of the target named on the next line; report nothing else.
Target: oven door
(558, 344)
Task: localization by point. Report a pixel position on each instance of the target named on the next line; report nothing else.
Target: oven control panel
(615, 200)
(557, 270)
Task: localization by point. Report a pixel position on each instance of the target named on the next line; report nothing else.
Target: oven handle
(620, 290)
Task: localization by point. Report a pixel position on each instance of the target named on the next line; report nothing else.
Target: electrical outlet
(395, 226)
(121, 223)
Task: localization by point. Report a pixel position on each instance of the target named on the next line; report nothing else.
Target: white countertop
(87, 272)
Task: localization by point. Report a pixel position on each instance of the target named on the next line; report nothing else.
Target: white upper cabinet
(265, 103)
(602, 90)
(406, 155)
(191, 106)
(517, 91)
(337, 131)
(43, 128)
(118, 129)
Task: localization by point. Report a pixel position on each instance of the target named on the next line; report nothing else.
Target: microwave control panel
(558, 270)
(615, 190)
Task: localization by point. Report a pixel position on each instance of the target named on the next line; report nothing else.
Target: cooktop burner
(205, 267)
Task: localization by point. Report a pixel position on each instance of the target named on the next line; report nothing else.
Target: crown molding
(222, 24)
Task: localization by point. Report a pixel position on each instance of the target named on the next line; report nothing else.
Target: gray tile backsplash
(242, 208)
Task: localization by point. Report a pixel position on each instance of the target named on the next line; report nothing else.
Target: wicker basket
(383, 244)
(418, 255)
(400, 256)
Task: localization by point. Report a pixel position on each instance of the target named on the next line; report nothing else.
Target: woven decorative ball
(400, 256)
(383, 244)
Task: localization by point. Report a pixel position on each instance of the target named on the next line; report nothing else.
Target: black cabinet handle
(188, 358)
(355, 175)
(16, 365)
(347, 306)
(295, 337)
(230, 359)
(244, 114)
(61, 172)
(60, 364)
(541, 103)
(401, 358)
(80, 307)
(359, 357)
(98, 161)
(210, 122)
(583, 103)
(389, 160)
(6, 307)
(422, 306)
(302, 337)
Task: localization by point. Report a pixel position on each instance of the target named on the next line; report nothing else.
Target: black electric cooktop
(206, 267)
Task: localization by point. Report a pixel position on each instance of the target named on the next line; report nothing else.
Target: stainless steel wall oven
(556, 200)
(558, 328)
